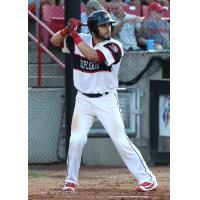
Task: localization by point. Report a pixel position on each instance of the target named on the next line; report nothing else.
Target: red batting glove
(74, 24)
(76, 38)
(71, 29)
(65, 31)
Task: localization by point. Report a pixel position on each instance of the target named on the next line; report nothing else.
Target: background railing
(41, 47)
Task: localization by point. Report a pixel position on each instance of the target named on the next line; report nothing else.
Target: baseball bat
(82, 24)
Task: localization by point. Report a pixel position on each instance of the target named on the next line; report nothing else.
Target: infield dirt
(107, 183)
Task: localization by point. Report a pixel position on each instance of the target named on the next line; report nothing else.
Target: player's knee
(121, 140)
(77, 141)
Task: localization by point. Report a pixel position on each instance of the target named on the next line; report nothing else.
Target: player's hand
(73, 24)
(158, 47)
(72, 27)
(65, 31)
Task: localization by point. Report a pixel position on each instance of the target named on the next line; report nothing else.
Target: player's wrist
(76, 38)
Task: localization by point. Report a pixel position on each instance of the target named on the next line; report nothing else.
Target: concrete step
(48, 81)
(32, 58)
(46, 69)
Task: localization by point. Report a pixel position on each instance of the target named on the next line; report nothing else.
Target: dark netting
(154, 64)
(147, 68)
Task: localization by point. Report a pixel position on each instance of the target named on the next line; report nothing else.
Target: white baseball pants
(106, 109)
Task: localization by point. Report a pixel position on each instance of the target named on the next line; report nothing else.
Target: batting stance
(96, 79)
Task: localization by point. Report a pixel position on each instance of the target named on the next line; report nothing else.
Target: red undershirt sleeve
(101, 56)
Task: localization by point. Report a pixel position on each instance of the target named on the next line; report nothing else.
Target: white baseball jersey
(92, 77)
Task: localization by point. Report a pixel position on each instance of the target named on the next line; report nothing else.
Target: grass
(32, 174)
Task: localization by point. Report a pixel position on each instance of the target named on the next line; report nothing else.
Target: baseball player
(95, 78)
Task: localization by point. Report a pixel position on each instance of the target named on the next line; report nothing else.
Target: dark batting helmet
(98, 18)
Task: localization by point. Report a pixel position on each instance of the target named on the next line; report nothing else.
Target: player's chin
(107, 37)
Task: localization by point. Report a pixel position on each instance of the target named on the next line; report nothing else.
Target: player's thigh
(113, 123)
(110, 116)
(82, 122)
(83, 118)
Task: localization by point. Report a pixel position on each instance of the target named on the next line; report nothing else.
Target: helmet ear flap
(92, 25)
(95, 31)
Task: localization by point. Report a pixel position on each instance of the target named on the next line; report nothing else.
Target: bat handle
(82, 24)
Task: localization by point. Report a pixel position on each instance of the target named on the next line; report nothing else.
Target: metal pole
(39, 80)
(38, 32)
(72, 9)
(138, 116)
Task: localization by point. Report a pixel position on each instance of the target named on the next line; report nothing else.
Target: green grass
(32, 174)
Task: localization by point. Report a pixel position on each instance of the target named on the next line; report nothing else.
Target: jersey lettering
(88, 66)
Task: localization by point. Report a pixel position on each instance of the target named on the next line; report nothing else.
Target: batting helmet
(98, 18)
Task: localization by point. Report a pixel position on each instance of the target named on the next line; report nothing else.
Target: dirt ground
(107, 183)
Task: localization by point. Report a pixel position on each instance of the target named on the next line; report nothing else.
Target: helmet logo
(105, 16)
(114, 48)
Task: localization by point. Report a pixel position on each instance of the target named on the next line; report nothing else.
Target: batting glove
(65, 31)
(73, 26)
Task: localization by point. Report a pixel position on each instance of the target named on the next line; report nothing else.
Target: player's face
(104, 31)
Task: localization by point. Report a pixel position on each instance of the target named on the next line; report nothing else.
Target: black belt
(95, 95)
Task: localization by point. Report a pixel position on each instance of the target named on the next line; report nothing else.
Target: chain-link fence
(44, 122)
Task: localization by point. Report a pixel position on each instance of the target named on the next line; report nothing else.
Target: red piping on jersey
(92, 71)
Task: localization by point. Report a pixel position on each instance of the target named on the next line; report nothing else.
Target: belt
(95, 95)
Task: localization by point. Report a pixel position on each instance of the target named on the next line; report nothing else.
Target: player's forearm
(142, 41)
(88, 52)
(117, 28)
(85, 49)
(57, 39)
